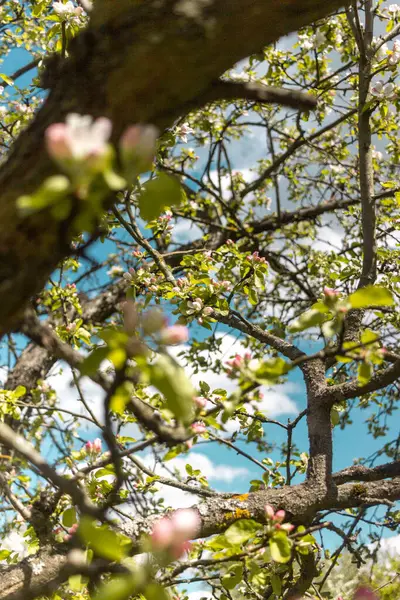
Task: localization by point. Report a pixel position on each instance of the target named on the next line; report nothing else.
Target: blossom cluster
(276, 519)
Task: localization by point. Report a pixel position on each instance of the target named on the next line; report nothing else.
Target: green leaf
(7, 79)
(69, 517)
(372, 295)
(310, 318)
(53, 190)
(120, 587)
(234, 576)
(121, 397)
(171, 380)
(276, 584)
(364, 372)
(159, 194)
(155, 592)
(280, 547)
(92, 362)
(241, 531)
(103, 541)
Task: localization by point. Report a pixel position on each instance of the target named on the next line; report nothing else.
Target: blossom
(330, 292)
(365, 593)
(173, 533)
(153, 321)
(64, 10)
(256, 258)
(115, 271)
(97, 445)
(394, 58)
(138, 146)
(377, 155)
(269, 511)
(79, 138)
(382, 90)
(279, 516)
(319, 39)
(195, 306)
(176, 334)
(93, 447)
(392, 11)
(198, 427)
(183, 131)
(200, 401)
(381, 52)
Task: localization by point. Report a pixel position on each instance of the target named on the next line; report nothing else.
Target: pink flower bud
(287, 527)
(279, 516)
(176, 334)
(89, 447)
(230, 242)
(153, 321)
(138, 147)
(269, 511)
(97, 445)
(330, 292)
(198, 427)
(200, 401)
(57, 141)
(186, 523)
(162, 534)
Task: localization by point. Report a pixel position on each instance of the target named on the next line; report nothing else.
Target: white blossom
(319, 39)
(305, 42)
(183, 131)
(195, 306)
(383, 90)
(64, 10)
(115, 271)
(377, 155)
(382, 51)
(79, 138)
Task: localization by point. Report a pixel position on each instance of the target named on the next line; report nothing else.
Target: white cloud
(176, 498)
(199, 595)
(390, 545)
(68, 396)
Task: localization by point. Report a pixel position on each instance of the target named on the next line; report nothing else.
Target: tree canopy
(199, 237)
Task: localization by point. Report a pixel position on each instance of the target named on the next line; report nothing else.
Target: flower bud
(57, 141)
(138, 147)
(269, 511)
(97, 445)
(279, 516)
(153, 320)
(200, 402)
(176, 334)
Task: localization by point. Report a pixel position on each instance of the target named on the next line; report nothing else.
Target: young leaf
(158, 195)
(372, 295)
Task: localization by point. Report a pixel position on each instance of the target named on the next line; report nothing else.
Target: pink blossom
(162, 534)
(138, 146)
(330, 292)
(186, 523)
(97, 445)
(365, 593)
(79, 138)
(269, 511)
(89, 447)
(200, 401)
(279, 516)
(286, 527)
(198, 427)
(176, 334)
(230, 242)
